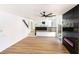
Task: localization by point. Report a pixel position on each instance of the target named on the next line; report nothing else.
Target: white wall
(12, 30)
(49, 22)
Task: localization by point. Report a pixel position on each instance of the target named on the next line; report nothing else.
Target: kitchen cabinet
(40, 29)
(72, 14)
(71, 30)
(76, 11)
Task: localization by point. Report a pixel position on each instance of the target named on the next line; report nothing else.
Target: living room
(35, 27)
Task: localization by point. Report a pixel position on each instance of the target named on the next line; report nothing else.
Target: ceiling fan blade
(41, 13)
(50, 14)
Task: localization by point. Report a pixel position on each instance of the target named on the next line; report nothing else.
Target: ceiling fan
(47, 15)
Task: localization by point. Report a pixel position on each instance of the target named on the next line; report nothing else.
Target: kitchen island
(45, 31)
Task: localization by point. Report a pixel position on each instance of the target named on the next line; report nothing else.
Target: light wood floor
(37, 45)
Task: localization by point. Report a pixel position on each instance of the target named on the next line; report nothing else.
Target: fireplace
(71, 44)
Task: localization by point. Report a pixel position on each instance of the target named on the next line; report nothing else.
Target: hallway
(37, 45)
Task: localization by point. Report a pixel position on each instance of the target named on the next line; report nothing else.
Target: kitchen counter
(48, 29)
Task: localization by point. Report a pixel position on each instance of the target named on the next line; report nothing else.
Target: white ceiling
(33, 10)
